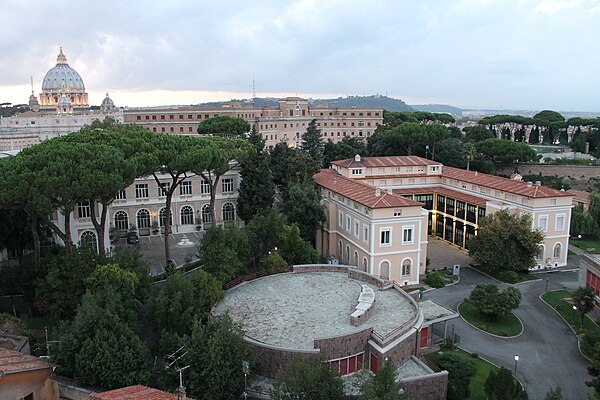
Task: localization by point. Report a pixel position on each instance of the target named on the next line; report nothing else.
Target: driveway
(548, 353)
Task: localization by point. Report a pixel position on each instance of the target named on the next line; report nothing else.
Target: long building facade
(388, 236)
(284, 123)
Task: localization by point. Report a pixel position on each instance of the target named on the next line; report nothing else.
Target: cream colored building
(286, 122)
(453, 202)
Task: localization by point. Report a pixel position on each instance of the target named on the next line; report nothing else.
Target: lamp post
(516, 361)
(574, 310)
(547, 279)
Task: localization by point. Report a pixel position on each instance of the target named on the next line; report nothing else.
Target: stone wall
(320, 268)
(566, 171)
(365, 277)
(345, 345)
(428, 387)
(270, 359)
(399, 353)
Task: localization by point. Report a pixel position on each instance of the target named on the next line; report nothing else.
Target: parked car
(132, 238)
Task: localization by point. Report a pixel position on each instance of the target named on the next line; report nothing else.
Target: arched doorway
(384, 270)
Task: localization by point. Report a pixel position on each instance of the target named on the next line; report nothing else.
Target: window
(557, 250)
(560, 222)
(162, 215)
(385, 238)
(340, 249)
(185, 188)
(406, 267)
(121, 195)
(356, 229)
(89, 238)
(141, 191)
(83, 209)
(348, 223)
(143, 218)
(204, 187)
(356, 171)
(365, 233)
(228, 212)
(163, 189)
(543, 223)
(121, 221)
(407, 235)
(340, 219)
(227, 185)
(187, 215)
(540, 254)
(397, 213)
(206, 214)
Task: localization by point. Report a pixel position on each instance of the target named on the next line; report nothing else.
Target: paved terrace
(291, 310)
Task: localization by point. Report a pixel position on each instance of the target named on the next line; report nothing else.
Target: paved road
(548, 353)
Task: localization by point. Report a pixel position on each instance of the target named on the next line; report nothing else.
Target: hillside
(438, 108)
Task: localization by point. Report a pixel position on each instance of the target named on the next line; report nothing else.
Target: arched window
(365, 264)
(228, 212)
(557, 250)
(297, 110)
(206, 214)
(88, 238)
(348, 254)
(143, 218)
(540, 254)
(340, 249)
(187, 215)
(406, 267)
(384, 270)
(356, 258)
(121, 221)
(162, 214)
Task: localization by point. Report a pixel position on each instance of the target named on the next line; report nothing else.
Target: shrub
(435, 280)
(460, 368)
(508, 276)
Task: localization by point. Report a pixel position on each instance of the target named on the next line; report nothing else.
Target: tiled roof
(137, 392)
(396, 161)
(13, 362)
(478, 201)
(580, 195)
(504, 184)
(360, 192)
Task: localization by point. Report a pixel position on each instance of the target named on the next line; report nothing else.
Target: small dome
(62, 76)
(107, 102)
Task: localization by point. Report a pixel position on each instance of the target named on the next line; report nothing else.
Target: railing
(382, 339)
(255, 275)
(434, 367)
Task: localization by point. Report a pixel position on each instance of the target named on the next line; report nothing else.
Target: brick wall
(429, 387)
(399, 353)
(345, 345)
(365, 277)
(567, 171)
(270, 359)
(320, 268)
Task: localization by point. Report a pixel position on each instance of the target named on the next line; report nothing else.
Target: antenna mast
(253, 88)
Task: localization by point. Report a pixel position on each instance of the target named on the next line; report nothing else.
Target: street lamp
(516, 361)
(574, 310)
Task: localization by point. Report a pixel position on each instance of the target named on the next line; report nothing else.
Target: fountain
(185, 242)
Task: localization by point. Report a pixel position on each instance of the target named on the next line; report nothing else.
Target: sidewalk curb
(488, 333)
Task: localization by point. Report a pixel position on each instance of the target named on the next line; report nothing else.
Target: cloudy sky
(527, 54)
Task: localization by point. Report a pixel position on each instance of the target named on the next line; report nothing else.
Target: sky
(500, 54)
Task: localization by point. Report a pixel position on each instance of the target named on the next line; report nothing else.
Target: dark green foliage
(555, 182)
(279, 159)
(478, 134)
(307, 379)
(383, 386)
(435, 280)
(506, 242)
(501, 385)
(8, 110)
(450, 152)
(273, 261)
(505, 152)
(492, 303)
(15, 231)
(216, 350)
(554, 394)
(583, 299)
(301, 206)
(301, 167)
(460, 368)
(222, 252)
(223, 125)
(175, 305)
(348, 147)
(312, 143)
(508, 276)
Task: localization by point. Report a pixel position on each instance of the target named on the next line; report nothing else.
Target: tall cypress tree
(257, 188)
(312, 142)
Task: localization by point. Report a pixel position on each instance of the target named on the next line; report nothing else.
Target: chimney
(475, 173)
(334, 180)
(538, 183)
(529, 184)
(377, 192)
(181, 393)
(390, 191)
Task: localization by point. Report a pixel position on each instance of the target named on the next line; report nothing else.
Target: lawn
(591, 244)
(509, 325)
(565, 309)
(522, 276)
(477, 380)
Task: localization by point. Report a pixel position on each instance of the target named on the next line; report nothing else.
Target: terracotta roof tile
(580, 195)
(137, 392)
(13, 362)
(360, 192)
(396, 161)
(503, 184)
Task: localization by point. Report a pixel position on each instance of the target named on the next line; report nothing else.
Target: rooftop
(395, 161)
(361, 192)
(478, 201)
(137, 392)
(12, 362)
(291, 310)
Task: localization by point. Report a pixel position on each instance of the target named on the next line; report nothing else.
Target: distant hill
(438, 108)
(374, 101)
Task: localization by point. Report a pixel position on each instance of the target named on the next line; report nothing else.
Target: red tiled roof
(395, 161)
(360, 192)
(137, 392)
(504, 184)
(580, 195)
(13, 362)
(478, 201)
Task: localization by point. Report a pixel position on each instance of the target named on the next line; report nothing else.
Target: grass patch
(509, 325)
(565, 309)
(476, 385)
(591, 244)
(522, 276)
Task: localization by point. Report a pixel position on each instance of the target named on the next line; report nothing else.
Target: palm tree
(469, 153)
(583, 299)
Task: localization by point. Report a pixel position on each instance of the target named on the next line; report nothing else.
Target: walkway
(547, 349)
